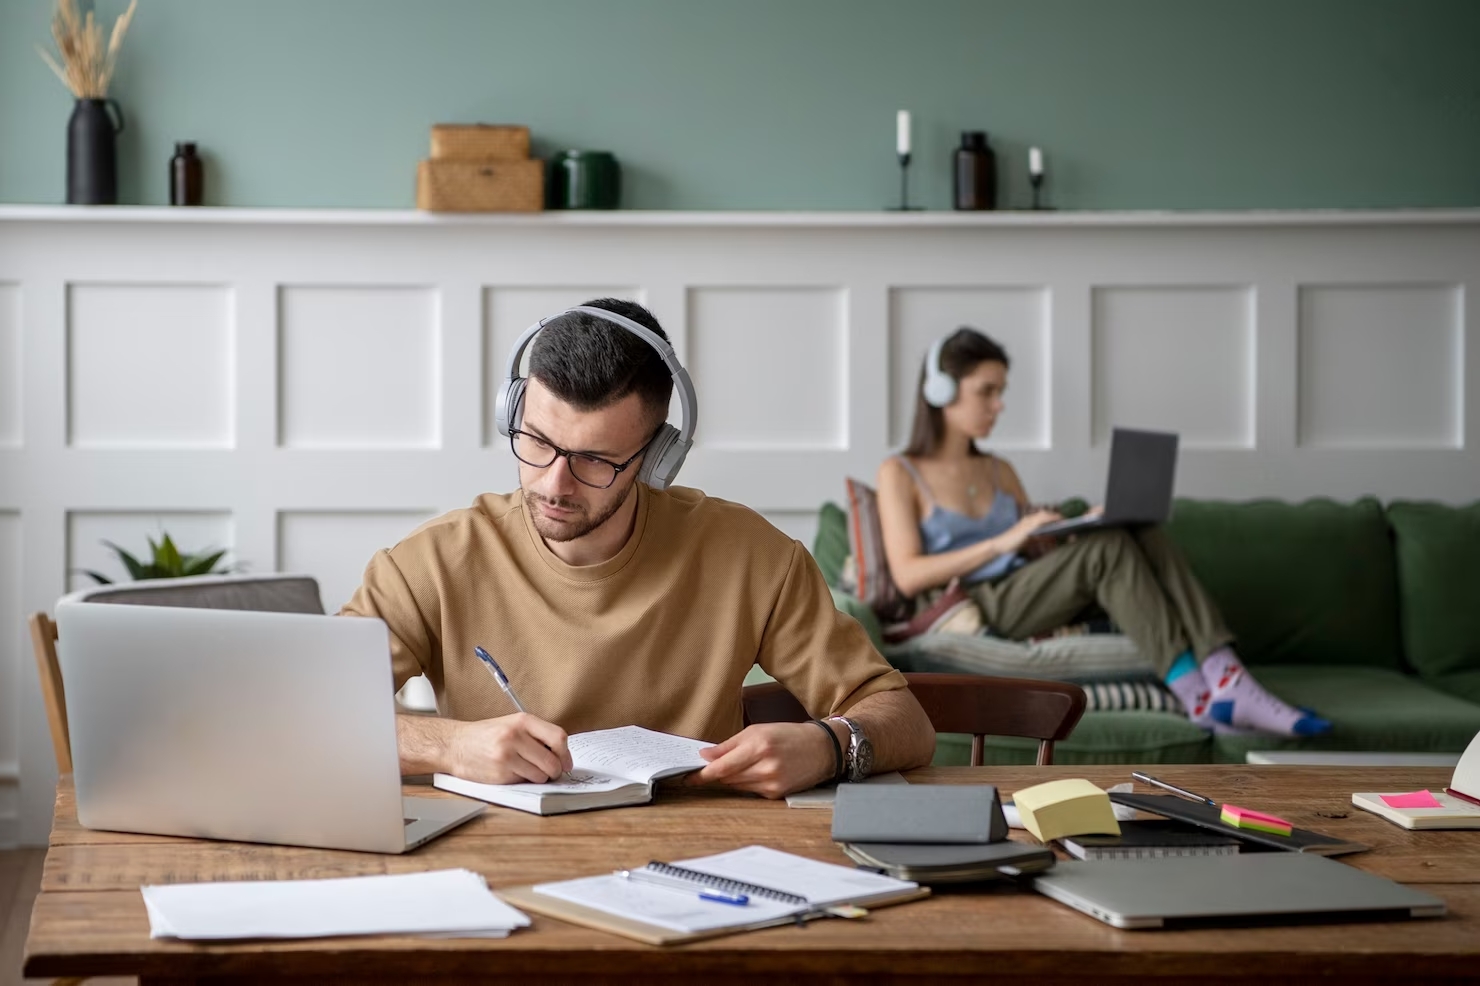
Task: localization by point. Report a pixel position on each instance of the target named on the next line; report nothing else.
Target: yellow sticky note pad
(1068, 807)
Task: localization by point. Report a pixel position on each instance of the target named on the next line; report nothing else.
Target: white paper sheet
(441, 903)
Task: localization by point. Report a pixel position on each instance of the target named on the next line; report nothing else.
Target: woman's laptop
(1143, 472)
(250, 726)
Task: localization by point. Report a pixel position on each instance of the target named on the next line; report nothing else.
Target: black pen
(1148, 779)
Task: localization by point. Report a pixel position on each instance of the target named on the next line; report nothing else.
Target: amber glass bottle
(976, 172)
(186, 176)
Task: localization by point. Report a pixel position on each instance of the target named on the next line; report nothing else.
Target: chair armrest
(860, 611)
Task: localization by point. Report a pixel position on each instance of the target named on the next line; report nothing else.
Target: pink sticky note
(1413, 799)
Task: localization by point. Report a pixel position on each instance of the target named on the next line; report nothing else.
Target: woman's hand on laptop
(1018, 534)
(510, 750)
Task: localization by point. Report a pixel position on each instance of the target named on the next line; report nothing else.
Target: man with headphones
(609, 598)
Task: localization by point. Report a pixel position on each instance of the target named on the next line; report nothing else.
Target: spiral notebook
(779, 888)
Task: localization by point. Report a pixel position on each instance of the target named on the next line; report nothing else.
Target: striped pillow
(871, 580)
(1126, 696)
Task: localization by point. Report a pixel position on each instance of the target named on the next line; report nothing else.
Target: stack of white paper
(442, 903)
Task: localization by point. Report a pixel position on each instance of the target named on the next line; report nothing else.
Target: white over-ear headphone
(940, 386)
(667, 450)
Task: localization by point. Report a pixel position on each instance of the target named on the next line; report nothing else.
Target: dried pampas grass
(86, 64)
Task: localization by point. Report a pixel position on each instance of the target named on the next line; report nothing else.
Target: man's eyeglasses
(591, 470)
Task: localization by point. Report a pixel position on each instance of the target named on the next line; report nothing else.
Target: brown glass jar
(975, 172)
(187, 178)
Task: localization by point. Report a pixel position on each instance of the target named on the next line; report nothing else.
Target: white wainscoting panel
(150, 366)
(15, 647)
(1382, 365)
(10, 365)
(1017, 318)
(360, 367)
(1175, 359)
(335, 546)
(770, 364)
(328, 376)
(191, 531)
(508, 311)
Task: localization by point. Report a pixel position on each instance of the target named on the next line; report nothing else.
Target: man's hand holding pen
(509, 750)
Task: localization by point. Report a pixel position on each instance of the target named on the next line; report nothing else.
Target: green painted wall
(786, 104)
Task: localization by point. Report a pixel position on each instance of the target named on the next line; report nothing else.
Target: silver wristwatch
(859, 760)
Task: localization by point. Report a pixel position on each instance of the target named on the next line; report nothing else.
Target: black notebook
(1208, 817)
(1150, 840)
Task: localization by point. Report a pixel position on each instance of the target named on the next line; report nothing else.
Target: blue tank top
(945, 530)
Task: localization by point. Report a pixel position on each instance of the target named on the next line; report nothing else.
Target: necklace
(971, 491)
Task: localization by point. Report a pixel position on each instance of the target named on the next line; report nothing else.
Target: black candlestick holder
(904, 187)
(1036, 180)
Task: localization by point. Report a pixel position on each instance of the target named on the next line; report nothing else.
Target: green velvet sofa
(1368, 613)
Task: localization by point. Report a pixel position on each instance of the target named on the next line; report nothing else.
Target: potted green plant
(166, 562)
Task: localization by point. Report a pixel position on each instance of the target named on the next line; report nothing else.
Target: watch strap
(850, 759)
(839, 764)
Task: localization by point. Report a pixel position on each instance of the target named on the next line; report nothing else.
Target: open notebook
(778, 888)
(613, 767)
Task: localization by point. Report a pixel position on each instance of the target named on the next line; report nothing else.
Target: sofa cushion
(1100, 737)
(1460, 684)
(1313, 582)
(1438, 549)
(1370, 709)
(830, 546)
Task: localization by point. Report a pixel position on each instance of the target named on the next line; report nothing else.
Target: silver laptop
(1258, 887)
(250, 726)
(1143, 472)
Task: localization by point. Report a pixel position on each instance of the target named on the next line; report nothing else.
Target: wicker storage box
(481, 186)
(479, 142)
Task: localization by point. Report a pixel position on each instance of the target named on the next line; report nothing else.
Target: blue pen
(503, 682)
(498, 676)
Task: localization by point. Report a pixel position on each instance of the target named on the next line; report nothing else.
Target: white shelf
(673, 218)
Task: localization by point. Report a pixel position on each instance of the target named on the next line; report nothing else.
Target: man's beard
(576, 527)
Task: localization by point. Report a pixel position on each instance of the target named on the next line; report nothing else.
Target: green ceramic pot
(585, 180)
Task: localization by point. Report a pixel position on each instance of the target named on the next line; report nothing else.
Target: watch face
(863, 758)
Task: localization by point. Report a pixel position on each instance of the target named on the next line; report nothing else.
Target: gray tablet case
(950, 864)
(960, 814)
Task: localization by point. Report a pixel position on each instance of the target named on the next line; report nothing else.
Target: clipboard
(526, 898)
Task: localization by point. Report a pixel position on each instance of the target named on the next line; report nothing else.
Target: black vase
(92, 152)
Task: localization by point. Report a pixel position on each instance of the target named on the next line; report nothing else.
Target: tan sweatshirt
(662, 635)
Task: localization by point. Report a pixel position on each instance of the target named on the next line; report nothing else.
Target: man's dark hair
(591, 363)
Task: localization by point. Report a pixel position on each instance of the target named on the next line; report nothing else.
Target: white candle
(902, 128)
(1035, 161)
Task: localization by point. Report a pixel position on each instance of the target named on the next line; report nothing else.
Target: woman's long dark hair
(963, 351)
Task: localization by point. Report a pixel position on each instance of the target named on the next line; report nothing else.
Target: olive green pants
(1138, 576)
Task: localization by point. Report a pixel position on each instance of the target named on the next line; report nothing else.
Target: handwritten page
(636, 753)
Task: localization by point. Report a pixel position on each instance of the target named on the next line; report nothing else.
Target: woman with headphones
(951, 513)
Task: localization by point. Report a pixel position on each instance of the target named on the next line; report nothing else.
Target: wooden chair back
(44, 643)
(979, 705)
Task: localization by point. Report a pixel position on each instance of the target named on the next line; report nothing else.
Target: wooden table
(89, 917)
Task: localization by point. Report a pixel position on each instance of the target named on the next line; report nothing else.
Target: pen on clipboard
(684, 887)
(1148, 779)
(503, 682)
